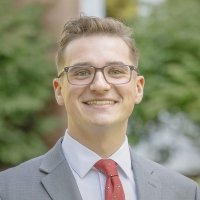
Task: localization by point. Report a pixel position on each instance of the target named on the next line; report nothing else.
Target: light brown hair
(86, 26)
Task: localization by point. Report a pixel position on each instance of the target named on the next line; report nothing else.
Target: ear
(57, 91)
(140, 81)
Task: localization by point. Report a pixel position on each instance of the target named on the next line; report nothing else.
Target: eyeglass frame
(66, 69)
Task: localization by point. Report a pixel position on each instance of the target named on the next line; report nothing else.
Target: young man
(98, 84)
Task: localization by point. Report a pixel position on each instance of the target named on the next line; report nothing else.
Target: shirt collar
(83, 162)
(123, 158)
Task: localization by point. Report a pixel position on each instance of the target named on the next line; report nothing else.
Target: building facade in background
(59, 11)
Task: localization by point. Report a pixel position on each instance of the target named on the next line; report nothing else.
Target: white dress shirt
(91, 182)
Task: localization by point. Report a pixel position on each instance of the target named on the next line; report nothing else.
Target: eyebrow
(90, 64)
(81, 64)
(115, 63)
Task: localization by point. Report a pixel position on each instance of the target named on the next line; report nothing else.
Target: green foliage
(168, 40)
(25, 84)
(124, 10)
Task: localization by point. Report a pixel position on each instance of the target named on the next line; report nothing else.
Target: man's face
(99, 103)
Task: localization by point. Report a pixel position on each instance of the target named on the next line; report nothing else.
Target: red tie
(113, 188)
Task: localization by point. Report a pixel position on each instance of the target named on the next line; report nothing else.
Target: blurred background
(165, 127)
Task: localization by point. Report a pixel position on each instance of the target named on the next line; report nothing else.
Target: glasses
(113, 74)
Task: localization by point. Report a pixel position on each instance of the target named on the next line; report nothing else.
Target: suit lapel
(59, 181)
(147, 183)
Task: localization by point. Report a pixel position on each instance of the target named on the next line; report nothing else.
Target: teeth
(100, 102)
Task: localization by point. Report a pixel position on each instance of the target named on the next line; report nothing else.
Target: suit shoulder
(25, 169)
(165, 174)
(172, 184)
(16, 178)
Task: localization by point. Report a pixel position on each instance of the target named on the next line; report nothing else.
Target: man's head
(100, 84)
(87, 26)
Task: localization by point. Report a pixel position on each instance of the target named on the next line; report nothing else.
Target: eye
(80, 73)
(117, 71)
(83, 72)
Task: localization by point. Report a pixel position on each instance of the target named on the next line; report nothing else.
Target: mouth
(100, 102)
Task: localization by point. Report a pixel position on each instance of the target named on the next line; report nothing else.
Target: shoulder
(15, 179)
(26, 177)
(169, 181)
(33, 166)
(26, 170)
(161, 171)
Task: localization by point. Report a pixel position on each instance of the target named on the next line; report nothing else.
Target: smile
(100, 102)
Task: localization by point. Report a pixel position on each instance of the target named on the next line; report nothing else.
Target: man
(98, 84)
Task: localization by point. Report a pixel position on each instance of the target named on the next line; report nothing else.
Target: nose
(99, 84)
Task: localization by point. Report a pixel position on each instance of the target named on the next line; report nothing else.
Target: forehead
(97, 49)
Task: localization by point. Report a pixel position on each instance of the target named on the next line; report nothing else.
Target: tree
(25, 83)
(168, 41)
(123, 10)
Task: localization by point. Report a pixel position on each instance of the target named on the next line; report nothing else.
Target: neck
(104, 141)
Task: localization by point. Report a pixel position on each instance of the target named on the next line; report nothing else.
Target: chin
(103, 121)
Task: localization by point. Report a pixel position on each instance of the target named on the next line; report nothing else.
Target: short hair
(87, 26)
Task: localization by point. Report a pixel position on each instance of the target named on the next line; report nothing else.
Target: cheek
(72, 98)
(130, 99)
(131, 102)
(67, 96)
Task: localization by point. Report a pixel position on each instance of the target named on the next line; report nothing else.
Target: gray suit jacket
(49, 177)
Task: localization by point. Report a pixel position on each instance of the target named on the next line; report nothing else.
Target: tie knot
(107, 166)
